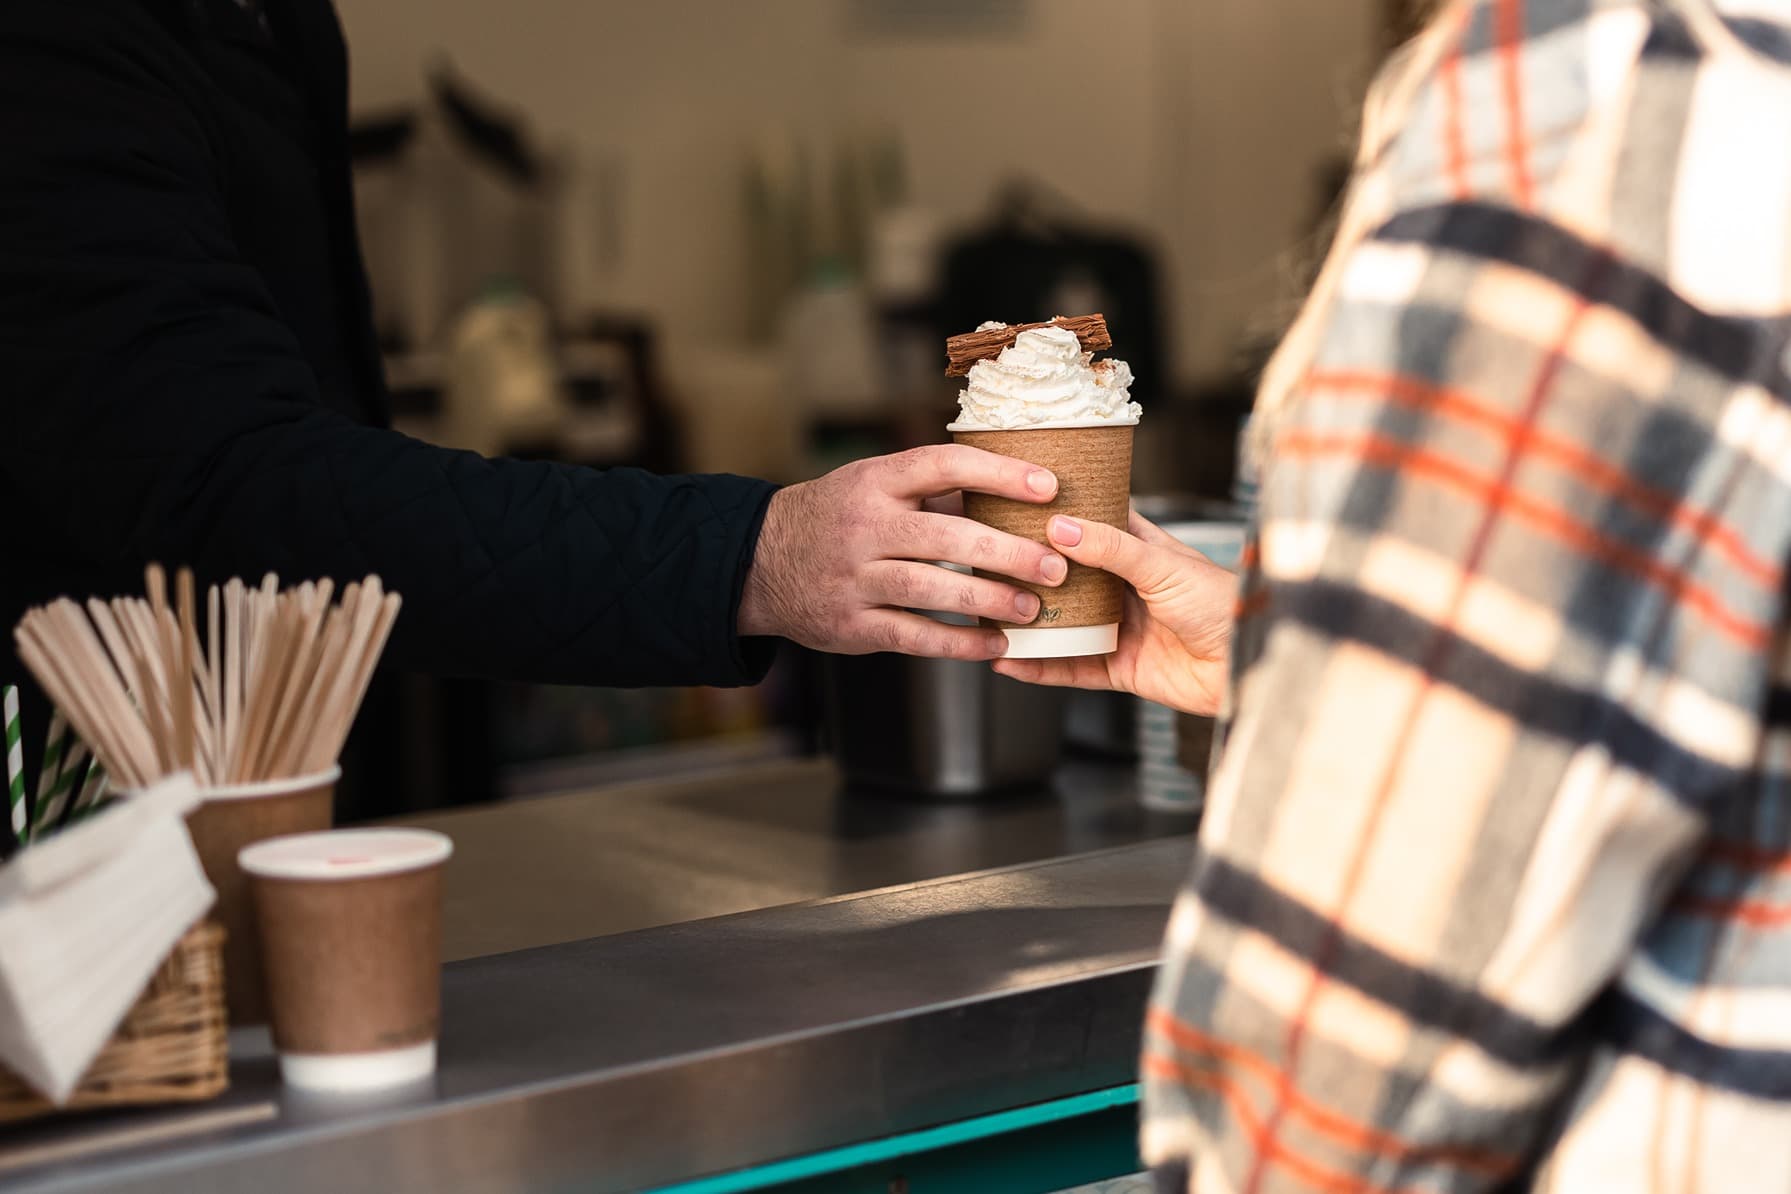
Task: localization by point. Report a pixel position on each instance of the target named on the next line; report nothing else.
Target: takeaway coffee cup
(350, 925)
(1093, 466)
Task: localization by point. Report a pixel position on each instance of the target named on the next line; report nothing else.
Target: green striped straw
(91, 796)
(15, 761)
(64, 758)
(54, 744)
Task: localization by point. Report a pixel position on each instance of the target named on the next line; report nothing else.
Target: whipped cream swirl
(1044, 379)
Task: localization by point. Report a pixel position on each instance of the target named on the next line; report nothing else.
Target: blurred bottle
(1200, 741)
(903, 276)
(503, 386)
(830, 346)
(1246, 481)
(1173, 747)
(780, 209)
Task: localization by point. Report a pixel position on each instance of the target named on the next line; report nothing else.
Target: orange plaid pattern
(1494, 887)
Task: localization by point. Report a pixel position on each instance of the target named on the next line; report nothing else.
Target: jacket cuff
(749, 657)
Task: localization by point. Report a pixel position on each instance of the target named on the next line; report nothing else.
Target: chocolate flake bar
(963, 351)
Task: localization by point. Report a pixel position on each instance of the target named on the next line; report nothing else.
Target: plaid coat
(1494, 889)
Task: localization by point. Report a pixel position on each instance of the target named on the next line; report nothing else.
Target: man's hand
(1175, 641)
(840, 559)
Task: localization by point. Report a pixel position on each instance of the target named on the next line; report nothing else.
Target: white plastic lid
(346, 854)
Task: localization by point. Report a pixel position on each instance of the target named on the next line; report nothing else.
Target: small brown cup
(1093, 466)
(229, 819)
(351, 929)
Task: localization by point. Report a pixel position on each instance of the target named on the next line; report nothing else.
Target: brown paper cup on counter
(229, 819)
(1093, 466)
(351, 932)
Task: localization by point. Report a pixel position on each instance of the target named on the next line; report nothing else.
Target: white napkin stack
(85, 919)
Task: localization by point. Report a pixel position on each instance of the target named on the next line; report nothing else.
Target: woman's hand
(1175, 639)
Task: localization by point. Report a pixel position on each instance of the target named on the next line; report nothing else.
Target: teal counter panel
(1029, 1150)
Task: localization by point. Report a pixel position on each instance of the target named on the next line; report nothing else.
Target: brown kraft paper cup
(230, 819)
(353, 964)
(1093, 466)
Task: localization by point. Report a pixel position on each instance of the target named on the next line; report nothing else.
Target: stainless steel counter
(630, 856)
(657, 1055)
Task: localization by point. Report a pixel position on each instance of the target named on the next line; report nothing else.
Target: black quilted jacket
(188, 373)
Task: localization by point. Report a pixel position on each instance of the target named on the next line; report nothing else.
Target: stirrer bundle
(270, 694)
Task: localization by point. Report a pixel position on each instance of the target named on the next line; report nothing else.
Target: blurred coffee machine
(450, 194)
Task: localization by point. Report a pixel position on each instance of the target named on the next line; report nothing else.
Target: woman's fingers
(1143, 528)
(1057, 673)
(1144, 566)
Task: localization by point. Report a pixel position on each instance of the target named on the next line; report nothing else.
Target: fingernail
(1065, 532)
(1041, 482)
(1054, 569)
(998, 645)
(1028, 605)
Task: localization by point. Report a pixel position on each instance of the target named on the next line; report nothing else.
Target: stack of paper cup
(228, 820)
(1093, 466)
(1171, 778)
(1164, 784)
(350, 925)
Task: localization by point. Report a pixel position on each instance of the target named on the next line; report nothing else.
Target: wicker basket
(171, 1048)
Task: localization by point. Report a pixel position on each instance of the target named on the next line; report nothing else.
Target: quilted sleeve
(155, 406)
